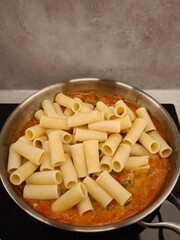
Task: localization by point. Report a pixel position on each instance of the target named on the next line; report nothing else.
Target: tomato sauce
(144, 185)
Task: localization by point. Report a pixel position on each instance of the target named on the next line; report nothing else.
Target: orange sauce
(144, 185)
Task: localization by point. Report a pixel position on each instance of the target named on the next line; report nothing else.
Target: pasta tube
(102, 107)
(113, 188)
(39, 113)
(14, 160)
(85, 107)
(143, 113)
(97, 192)
(38, 142)
(68, 102)
(33, 132)
(125, 122)
(54, 123)
(91, 150)
(41, 192)
(120, 110)
(124, 105)
(111, 126)
(66, 137)
(56, 148)
(84, 206)
(135, 131)
(105, 163)
(29, 152)
(100, 150)
(83, 118)
(149, 143)
(47, 106)
(57, 115)
(165, 150)
(70, 198)
(121, 156)
(137, 162)
(68, 172)
(46, 163)
(79, 160)
(139, 150)
(89, 105)
(45, 178)
(110, 145)
(23, 172)
(24, 139)
(85, 135)
(67, 148)
(58, 109)
(68, 112)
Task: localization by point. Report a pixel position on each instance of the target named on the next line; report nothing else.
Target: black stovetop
(17, 224)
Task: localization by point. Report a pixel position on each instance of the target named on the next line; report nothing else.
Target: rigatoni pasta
(68, 171)
(41, 192)
(91, 151)
(45, 178)
(14, 159)
(111, 126)
(23, 172)
(47, 106)
(79, 160)
(68, 102)
(164, 150)
(102, 107)
(125, 122)
(39, 113)
(46, 163)
(83, 118)
(82, 135)
(84, 206)
(127, 110)
(66, 136)
(38, 142)
(68, 112)
(56, 148)
(135, 131)
(54, 123)
(120, 157)
(70, 198)
(106, 163)
(120, 110)
(143, 113)
(113, 188)
(137, 162)
(138, 150)
(149, 143)
(91, 155)
(24, 139)
(30, 152)
(33, 132)
(58, 109)
(97, 192)
(110, 145)
(85, 107)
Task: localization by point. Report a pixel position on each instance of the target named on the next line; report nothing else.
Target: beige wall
(47, 41)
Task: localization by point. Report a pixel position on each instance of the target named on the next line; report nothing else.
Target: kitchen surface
(45, 42)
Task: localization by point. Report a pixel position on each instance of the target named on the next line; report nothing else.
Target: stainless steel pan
(26, 109)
